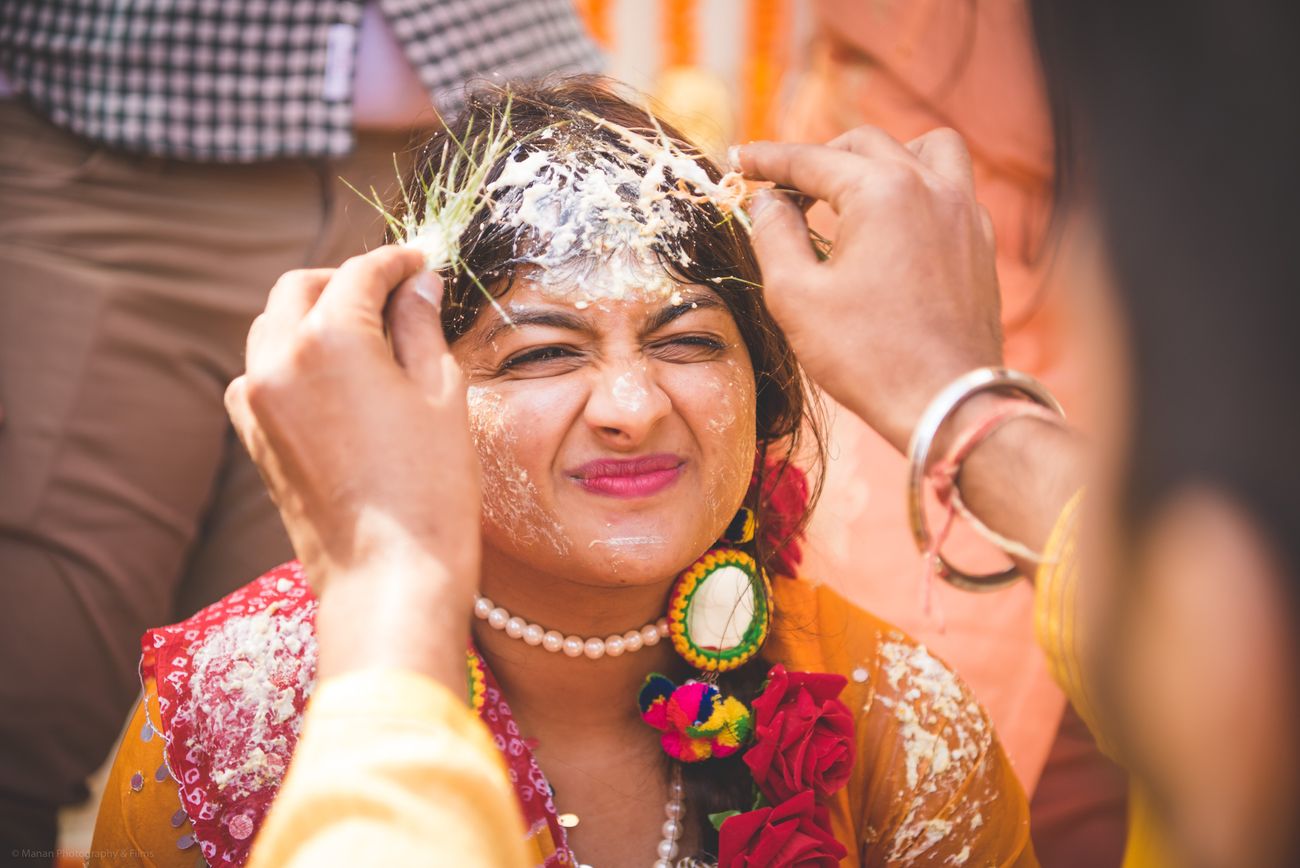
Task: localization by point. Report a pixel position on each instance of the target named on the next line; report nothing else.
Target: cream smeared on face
(616, 441)
(613, 404)
(629, 392)
(510, 495)
(732, 408)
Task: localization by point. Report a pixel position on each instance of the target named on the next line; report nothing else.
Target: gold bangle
(951, 397)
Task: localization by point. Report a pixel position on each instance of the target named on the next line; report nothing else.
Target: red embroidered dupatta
(232, 683)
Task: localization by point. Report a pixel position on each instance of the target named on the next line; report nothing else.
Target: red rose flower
(803, 735)
(794, 834)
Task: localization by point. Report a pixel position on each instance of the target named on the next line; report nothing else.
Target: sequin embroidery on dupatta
(232, 683)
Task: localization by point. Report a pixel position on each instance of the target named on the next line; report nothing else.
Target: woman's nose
(625, 405)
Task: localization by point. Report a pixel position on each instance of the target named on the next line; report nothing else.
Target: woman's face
(616, 438)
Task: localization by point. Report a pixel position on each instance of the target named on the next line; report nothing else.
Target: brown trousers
(127, 286)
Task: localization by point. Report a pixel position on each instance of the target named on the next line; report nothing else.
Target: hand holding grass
(355, 441)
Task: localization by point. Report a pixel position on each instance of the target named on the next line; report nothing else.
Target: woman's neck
(603, 763)
(554, 692)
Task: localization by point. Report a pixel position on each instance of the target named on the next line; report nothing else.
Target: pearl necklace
(572, 646)
(674, 810)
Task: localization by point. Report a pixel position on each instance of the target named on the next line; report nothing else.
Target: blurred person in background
(907, 67)
(158, 169)
(1182, 139)
(1176, 637)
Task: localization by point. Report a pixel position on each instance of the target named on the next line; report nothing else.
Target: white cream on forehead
(601, 222)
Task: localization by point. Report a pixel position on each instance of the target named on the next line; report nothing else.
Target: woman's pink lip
(629, 477)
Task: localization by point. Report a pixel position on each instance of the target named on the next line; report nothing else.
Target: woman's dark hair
(1182, 119)
(718, 255)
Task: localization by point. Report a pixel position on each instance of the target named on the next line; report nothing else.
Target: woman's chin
(604, 550)
(633, 559)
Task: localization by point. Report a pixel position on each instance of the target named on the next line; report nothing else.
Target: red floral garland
(802, 750)
(796, 832)
(802, 745)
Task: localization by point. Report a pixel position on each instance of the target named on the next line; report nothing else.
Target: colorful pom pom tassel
(696, 720)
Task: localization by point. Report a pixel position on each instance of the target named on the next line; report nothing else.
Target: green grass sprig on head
(450, 196)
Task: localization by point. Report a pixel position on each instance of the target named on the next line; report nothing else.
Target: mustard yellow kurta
(1064, 634)
(932, 785)
(392, 769)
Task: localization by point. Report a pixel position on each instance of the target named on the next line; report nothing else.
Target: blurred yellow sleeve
(1057, 621)
(1064, 634)
(392, 769)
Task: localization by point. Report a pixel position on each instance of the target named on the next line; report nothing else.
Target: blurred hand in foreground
(908, 299)
(367, 453)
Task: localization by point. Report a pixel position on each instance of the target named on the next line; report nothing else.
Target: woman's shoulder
(930, 775)
(815, 626)
(232, 682)
(281, 586)
(890, 674)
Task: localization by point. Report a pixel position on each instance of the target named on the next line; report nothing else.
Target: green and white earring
(719, 612)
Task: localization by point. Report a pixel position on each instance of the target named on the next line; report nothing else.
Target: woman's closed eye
(541, 359)
(683, 349)
(555, 359)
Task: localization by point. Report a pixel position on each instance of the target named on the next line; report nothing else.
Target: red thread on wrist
(943, 477)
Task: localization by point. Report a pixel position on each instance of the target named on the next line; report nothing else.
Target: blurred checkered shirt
(246, 80)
